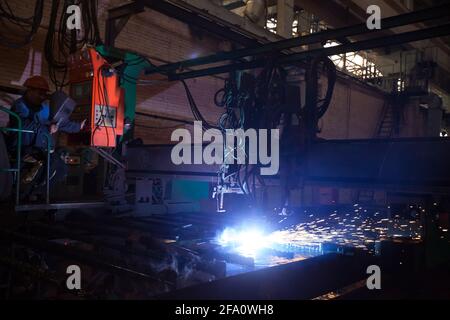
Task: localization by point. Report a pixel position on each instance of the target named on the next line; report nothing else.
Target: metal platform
(58, 206)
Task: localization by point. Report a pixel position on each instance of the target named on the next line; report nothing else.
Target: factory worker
(34, 110)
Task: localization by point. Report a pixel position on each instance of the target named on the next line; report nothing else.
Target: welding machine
(95, 96)
(95, 86)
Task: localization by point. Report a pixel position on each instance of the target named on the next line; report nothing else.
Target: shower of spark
(351, 228)
(354, 229)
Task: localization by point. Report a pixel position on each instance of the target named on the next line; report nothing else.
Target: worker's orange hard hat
(37, 82)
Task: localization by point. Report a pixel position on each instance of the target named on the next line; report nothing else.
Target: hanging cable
(60, 41)
(195, 111)
(29, 25)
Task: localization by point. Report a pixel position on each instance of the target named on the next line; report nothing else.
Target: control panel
(105, 116)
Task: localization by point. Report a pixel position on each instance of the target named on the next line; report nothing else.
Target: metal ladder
(386, 124)
(384, 130)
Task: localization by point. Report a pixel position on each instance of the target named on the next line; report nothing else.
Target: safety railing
(47, 184)
(17, 170)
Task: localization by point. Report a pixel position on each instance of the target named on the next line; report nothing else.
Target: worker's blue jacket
(39, 122)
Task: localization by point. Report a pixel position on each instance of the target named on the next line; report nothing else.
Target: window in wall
(271, 25)
(355, 63)
(303, 23)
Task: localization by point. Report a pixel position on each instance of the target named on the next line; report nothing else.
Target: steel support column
(285, 17)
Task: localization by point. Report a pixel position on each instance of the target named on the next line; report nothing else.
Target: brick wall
(354, 112)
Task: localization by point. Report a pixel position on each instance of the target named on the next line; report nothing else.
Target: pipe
(255, 10)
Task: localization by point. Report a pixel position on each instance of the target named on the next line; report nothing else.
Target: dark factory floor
(203, 256)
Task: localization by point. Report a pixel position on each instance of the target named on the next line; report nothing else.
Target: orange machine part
(95, 87)
(107, 107)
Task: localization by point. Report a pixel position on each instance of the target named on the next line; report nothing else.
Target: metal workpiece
(305, 279)
(43, 229)
(60, 206)
(73, 253)
(36, 272)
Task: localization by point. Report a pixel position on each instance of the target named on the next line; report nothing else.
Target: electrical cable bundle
(195, 111)
(232, 99)
(28, 26)
(260, 108)
(269, 97)
(331, 75)
(240, 104)
(60, 42)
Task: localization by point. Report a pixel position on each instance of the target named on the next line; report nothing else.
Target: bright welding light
(247, 242)
(251, 242)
